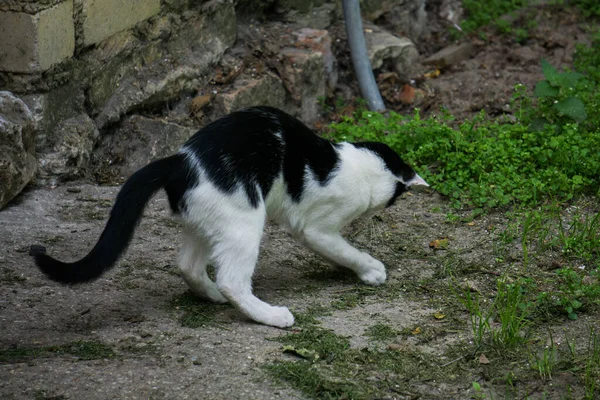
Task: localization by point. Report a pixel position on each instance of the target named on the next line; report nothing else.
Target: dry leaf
(439, 244)
(432, 74)
(417, 331)
(439, 315)
(483, 359)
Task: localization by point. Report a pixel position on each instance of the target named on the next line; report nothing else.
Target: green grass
(381, 332)
(343, 372)
(82, 350)
(196, 312)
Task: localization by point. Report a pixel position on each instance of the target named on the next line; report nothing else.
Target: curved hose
(360, 59)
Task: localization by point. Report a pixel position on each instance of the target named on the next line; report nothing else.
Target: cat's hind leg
(193, 258)
(332, 246)
(234, 255)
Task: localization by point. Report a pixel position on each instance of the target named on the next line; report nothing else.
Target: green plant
(581, 239)
(478, 391)
(479, 318)
(589, 8)
(592, 366)
(545, 362)
(481, 14)
(573, 295)
(558, 101)
(512, 312)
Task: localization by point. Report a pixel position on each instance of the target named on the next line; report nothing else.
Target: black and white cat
(231, 176)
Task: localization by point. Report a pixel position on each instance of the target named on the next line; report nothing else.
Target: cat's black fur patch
(246, 148)
(392, 160)
(180, 182)
(400, 188)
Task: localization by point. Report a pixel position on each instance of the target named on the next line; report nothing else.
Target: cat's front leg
(332, 246)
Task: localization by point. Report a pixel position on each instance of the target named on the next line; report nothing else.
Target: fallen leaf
(439, 244)
(304, 353)
(483, 359)
(472, 223)
(199, 102)
(407, 94)
(432, 74)
(439, 315)
(394, 346)
(417, 331)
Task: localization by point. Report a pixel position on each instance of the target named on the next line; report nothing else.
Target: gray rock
(17, 146)
(267, 90)
(138, 141)
(183, 64)
(309, 71)
(73, 141)
(304, 75)
(406, 17)
(390, 52)
(49, 108)
(319, 17)
(450, 55)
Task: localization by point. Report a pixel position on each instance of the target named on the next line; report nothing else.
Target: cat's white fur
(216, 223)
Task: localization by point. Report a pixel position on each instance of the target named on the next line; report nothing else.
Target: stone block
(49, 108)
(387, 51)
(33, 43)
(450, 55)
(267, 90)
(138, 141)
(103, 18)
(17, 146)
(161, 71)
(70, 153)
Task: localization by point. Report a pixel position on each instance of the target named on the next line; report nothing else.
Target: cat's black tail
(117, 234)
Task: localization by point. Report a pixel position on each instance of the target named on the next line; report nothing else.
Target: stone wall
(83, 67)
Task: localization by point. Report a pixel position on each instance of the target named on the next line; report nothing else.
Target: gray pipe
(360, 59)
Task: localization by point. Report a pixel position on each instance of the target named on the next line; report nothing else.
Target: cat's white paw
(375, 275)
(279, 317)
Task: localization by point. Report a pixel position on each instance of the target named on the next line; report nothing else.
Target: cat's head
(405, 176)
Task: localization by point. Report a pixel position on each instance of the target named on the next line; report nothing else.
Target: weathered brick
(33, 43)
(103, 18)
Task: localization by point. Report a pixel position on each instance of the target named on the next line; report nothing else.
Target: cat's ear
(416, 180)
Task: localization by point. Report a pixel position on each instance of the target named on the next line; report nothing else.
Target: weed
(326, 343)
(572, 294)
(512, 312)
(545, 362)
(381, 332)
(479, 318)
(592, 366)
(342, 372)
(196, 312)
